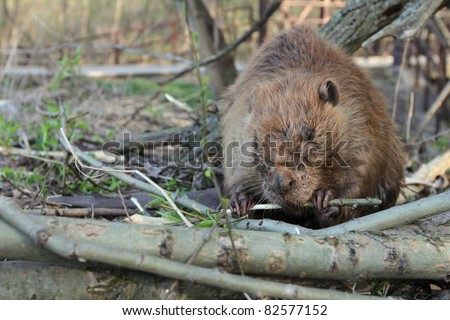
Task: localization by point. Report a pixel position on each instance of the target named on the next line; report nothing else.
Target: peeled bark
(354, 255)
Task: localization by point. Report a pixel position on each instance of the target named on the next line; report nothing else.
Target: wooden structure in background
(315, 12)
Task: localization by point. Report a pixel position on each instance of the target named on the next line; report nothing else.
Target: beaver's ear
(328, 92)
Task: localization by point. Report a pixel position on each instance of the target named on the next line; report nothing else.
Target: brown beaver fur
(304, 123)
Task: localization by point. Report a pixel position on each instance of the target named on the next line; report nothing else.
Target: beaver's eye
(307, 133)
(286, 131)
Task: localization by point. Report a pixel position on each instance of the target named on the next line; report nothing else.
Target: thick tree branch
(23, 280)
(361, 20)
(410, 22)
(389, 218)
(355, 255)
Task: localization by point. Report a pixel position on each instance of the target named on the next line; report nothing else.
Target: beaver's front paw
(321, 200)
(240, 203)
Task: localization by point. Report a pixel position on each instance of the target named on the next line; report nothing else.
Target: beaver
(302, 123)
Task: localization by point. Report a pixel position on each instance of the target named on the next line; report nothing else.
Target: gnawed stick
(332, 203)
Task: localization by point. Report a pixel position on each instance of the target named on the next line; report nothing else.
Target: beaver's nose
(282, 184)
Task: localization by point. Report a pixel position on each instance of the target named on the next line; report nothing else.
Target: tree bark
(211, 40)
(360, 20)
(263, 5)
(35, 280)
(354, 255)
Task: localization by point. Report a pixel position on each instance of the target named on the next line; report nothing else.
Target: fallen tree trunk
(36, 280)
(355, 255)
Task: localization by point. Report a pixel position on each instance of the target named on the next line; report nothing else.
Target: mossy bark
(361, 19)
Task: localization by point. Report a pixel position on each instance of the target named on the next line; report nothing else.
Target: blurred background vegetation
(98, 65)
(156, 26)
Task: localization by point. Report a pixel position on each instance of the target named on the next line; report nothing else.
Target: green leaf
(205, 224)
(208, 173)
(155, 203)
(169, 216)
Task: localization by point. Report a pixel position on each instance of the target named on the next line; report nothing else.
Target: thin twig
(78, 212)
(332, 203)
(180, 105)
(34, 154)
(123, 201)
(12, 184)
(399, 79)
(144, 105)
(430, 138)
(410, 115)
(39, 154)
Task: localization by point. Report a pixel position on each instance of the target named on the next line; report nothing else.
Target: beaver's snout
(281, 182)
